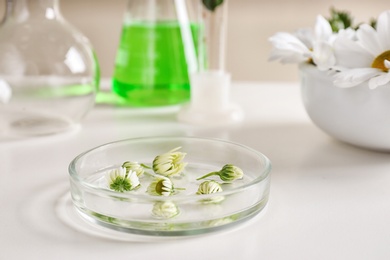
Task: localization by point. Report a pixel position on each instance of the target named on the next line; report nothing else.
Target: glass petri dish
(183, 213)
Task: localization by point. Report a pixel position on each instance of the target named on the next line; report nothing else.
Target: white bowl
(356, 115)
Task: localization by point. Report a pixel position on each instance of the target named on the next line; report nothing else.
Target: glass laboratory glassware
(210, 85)
(157, 51)
(49, 73)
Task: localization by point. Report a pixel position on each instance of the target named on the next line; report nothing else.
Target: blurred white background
(251, 23)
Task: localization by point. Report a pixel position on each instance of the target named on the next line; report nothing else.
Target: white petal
(288, 48)
(354, 77)
(113, 175)
(387, 64)
(323, 56)
(350, 54)
(287, 56)
(369, 39)
(134, 180)
(166, 193)
(306, 36)
(163, 168)
(282, 37)
(323, 30)
(383, 29)
(380, 80)
(108, 177)
(348, 33)
(175, 149)
(287, 41)
(122, 171)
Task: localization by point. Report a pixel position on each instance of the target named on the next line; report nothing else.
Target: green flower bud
(228, 173)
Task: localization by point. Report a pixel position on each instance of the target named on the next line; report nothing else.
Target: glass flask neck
(153, 10)
(22, 10)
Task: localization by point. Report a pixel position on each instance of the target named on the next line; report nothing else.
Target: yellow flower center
(379, 62)
(159, 187)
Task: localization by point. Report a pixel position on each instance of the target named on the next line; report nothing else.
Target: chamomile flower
(161, 186)
(120, 180)
(210, 187)
(169, 163)
(133, 166)
(306, 45)
(367, 58)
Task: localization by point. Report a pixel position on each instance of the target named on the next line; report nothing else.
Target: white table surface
(328, 200)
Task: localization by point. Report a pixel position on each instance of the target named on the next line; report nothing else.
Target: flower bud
(169, 163)
(161, 186)
(210, 187)
(230, 172)
(134, 166)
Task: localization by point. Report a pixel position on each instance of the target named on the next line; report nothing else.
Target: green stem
(208, 175)
(150, 174)
(145, 166)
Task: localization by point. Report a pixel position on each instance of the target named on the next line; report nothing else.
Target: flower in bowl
(352, 54)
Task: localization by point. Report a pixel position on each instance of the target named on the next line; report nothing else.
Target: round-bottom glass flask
(48, 71)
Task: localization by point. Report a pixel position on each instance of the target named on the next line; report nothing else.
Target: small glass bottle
(49, 74)
(157, 50)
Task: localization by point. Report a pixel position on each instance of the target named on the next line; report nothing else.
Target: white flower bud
(161, 186)
(134, 166)
(169, 163)
(210, 187)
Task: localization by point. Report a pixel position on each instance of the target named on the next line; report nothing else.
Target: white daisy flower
(306, 45)
(367, 58)
(121, 181)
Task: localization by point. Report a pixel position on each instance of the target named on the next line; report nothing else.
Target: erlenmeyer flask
(157, 51)
(48, 71)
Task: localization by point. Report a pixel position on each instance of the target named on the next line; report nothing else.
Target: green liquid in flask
(151, 67)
